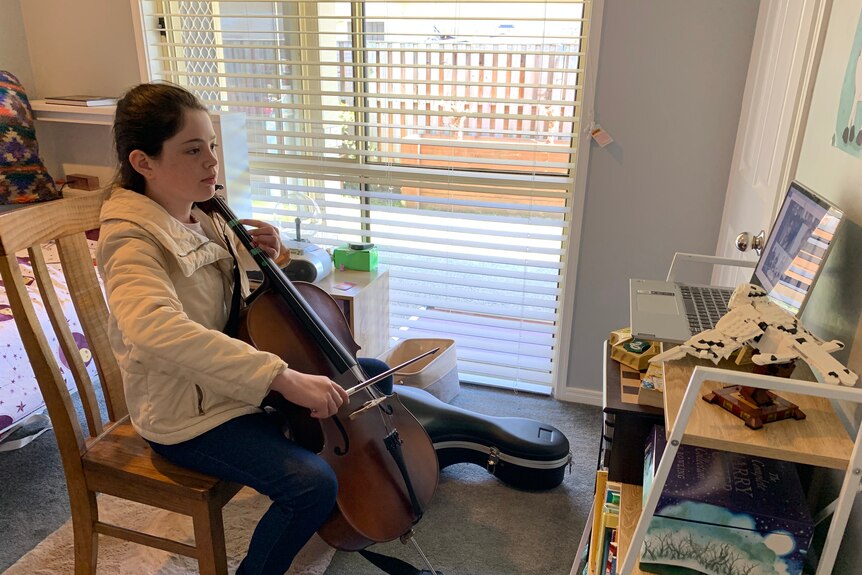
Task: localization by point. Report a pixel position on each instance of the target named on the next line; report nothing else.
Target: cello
(383, 458)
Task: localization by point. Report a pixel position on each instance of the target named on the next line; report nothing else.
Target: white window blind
(442, 131)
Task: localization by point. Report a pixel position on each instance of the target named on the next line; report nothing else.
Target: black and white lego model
(774, 335)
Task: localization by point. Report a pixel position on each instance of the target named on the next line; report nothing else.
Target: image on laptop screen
(797, 247)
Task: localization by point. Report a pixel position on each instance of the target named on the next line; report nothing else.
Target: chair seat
(121, 463)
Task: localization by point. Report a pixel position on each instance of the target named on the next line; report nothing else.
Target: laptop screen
(797, 247)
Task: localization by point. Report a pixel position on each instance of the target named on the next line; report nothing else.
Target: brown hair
(147, 115)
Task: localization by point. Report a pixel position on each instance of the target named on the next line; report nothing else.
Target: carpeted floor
(54, 555)
(476, 525)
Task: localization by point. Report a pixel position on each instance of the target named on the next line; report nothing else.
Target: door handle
(745, 239)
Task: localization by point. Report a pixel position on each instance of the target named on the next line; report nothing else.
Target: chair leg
(209, 539)
(85, 513)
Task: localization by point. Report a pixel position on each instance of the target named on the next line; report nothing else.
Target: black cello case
(521, 452)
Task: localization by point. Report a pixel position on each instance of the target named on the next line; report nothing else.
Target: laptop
(787, 269)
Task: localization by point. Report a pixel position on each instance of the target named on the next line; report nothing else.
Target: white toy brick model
(774, 334)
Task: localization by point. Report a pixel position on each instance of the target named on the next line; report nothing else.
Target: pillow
(23, 177)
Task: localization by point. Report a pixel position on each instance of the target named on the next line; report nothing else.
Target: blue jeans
(252, 450)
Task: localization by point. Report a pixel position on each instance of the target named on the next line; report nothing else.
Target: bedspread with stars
(19, 392)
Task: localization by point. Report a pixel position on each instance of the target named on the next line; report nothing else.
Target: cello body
(383, 458)
(373, 500)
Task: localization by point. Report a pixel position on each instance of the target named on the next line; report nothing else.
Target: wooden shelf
(633, 423)
(630, 512)
(97, 115)
(820, 439)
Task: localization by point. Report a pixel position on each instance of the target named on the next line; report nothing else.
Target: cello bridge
(370, 404)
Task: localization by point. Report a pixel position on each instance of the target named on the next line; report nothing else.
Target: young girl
(192, 391)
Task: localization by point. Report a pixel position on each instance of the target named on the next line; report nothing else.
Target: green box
(363, 260)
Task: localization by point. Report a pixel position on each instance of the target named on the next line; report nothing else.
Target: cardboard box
(437, 374)
(722, 509)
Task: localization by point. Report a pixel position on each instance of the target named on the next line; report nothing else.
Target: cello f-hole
(338, 449)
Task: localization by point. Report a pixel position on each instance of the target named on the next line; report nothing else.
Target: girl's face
(186, 170)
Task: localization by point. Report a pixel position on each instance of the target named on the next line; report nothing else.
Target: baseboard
(579, 395)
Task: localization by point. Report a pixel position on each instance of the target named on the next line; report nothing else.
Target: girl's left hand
(265, 236)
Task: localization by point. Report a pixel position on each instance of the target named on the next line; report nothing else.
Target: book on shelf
(610, 519)
(611, 561)
(727, 505)
(597, 530)
(79, 100)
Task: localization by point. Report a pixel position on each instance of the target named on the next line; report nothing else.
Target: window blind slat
(492, 273)
(528, 331)
(480, 324)
(475, 305)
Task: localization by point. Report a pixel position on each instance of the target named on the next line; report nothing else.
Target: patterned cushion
(23, 177)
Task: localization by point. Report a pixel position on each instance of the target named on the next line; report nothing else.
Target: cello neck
(276, 280)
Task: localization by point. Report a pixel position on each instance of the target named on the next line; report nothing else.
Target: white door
(774, 108)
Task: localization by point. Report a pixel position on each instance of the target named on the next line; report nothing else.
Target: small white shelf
(98, 115)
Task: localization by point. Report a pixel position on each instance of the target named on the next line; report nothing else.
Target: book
(79, 100)
(597, 531)
(611, 563)
(727, 505)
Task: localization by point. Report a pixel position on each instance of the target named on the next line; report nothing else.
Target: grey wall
(836, 304)
(85, 46)
(671, 75)
(14, 56)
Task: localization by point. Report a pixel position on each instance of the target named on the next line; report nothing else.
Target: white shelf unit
(820, 439)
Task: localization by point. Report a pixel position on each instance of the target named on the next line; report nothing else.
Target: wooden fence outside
(522, 92)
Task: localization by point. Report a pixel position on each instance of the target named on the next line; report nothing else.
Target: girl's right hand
(318, 393)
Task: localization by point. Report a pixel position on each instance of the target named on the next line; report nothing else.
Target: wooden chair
(110, 458)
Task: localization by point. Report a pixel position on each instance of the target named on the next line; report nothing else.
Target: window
(445, 132)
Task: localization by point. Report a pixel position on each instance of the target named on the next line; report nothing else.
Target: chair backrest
(34, 228)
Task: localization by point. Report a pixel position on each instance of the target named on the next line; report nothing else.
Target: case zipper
(495, 456)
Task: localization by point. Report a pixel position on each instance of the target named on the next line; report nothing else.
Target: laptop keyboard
(704, 306)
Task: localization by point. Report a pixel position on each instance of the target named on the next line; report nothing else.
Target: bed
(22, 416)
